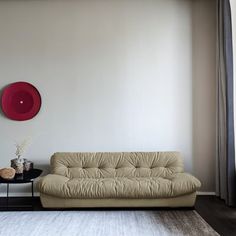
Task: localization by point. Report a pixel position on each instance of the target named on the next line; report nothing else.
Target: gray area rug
(103, 223)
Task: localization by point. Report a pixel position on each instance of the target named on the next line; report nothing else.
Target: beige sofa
(127, 179)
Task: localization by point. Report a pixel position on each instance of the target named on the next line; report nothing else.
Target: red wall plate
(20, 101)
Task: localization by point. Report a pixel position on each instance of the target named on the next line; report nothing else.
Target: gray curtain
(225, 169)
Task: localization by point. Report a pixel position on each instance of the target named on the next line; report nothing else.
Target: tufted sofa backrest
(116, 164)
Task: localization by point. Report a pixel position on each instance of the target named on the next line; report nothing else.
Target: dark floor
(217, 214)
(212, 209)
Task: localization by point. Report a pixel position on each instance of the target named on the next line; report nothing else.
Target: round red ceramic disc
(21, 101)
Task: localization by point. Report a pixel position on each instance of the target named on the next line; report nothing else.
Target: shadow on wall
(204, 92)
(44, 167)
(1, 112)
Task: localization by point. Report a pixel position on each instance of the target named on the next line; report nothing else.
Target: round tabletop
(26, 177)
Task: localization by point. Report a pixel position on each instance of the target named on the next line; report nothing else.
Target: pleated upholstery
(117, 175)
(123, 164)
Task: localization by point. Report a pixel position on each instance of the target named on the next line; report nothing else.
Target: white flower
(21, 147)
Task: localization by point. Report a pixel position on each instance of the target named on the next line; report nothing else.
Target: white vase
(18, 165)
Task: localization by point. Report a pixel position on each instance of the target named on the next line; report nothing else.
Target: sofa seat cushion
(119, 187)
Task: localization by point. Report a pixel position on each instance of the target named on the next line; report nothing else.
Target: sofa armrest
(185, 182)
(48, 182)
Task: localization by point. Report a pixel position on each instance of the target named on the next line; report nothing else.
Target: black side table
(26, 177)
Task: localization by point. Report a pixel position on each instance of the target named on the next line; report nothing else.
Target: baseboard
(36, 194)
(206, 193)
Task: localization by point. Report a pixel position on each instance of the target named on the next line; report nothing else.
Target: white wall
(113, 75)
(233, 12)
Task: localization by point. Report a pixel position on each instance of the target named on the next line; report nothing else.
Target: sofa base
(187, 200)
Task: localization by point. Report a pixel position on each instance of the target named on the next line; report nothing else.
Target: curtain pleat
(225, 169)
